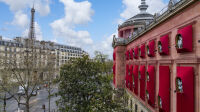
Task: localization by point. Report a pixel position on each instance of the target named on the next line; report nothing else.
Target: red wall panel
(135, 75)
(114, 74)
(131, 53)
(151, 85)
(151, 46)
(185, 100)
(142, 51)
(187, 35)
(142, 82)
(130, 77)
(114, 56)
(164, 88)
(136, 52)
(127, 55)
(126, 77)
(165, 45)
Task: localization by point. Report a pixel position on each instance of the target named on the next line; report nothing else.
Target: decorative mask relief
(148, 52)
(159, 102)
(139, 50)
(133, 82)
(133, 53)
(160, 47)
(179, 85)
(179, 41)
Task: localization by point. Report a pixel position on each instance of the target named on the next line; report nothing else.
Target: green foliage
(83, 87)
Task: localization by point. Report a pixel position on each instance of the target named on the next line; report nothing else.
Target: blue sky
(88, 24)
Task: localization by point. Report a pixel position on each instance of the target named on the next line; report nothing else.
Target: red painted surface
(114, 56)
(142, 51)
(114, 75)
(130, 77)
(185, 100)
(142, 82)
(165, 45)
(151, 85)
(127, 55)
(187, 36)
(164, 88)
(135, 75)
(126, 77)
(131, 53)
(151, 48)
(136, 51)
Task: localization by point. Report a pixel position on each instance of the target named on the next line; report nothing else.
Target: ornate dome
(139, 19)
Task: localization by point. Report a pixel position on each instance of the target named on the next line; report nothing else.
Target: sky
(89, 24)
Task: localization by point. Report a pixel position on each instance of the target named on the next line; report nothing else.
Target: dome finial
(143, 7)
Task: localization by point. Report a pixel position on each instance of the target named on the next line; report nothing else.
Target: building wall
(188, 16)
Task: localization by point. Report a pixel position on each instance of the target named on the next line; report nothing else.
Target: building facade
(157, 58)
(63, 53)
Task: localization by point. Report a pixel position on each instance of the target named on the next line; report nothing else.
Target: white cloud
(131, 7)
(105, 46)
(42, 6)
(76, 13)
(20, 19)
(38, 32)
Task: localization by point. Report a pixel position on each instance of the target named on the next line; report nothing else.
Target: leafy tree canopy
(83, 88)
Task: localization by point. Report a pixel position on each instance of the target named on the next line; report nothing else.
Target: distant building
(157, 58)
(16, 48)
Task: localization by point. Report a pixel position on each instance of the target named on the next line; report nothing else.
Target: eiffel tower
(31, 34)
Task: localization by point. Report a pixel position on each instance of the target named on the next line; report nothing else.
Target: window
(131, 105)
(136, 108)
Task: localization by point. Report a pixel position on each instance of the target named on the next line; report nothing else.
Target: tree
(106, 64)
(50, 76)
(24, 71)
(83, 88)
